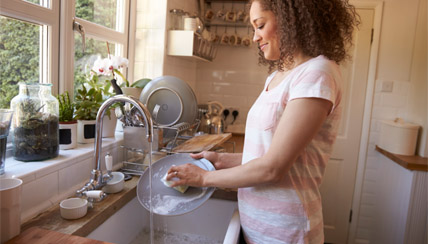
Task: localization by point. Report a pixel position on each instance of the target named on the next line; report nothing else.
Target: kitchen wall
(402, 59)
(235, 79)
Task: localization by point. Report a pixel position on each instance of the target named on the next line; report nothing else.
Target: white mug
(10, 206)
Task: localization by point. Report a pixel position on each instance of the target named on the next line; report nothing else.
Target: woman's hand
(220, 160)
(213, 157)
(188, 174)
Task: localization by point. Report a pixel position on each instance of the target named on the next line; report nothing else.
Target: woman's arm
(220, 160)
(301, 120)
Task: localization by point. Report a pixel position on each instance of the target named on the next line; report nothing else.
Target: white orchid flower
(118, 62)
(101, 66)
(109, 66)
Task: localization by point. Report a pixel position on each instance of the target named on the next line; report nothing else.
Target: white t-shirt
(290, 211)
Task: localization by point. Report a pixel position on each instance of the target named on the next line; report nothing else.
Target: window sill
(28, 171)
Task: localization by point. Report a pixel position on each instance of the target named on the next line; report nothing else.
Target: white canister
(10, 206)
(190, 24)
(399, 137)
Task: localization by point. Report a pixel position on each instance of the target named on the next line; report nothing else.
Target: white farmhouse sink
(216, 221)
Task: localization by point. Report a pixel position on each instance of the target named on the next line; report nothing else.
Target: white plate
(166, 200)
(175, 99)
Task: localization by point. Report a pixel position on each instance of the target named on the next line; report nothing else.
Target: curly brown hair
(314, 27)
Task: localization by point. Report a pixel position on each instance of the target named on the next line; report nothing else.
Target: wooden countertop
(36, 235)
(51, 219)
(408, 162)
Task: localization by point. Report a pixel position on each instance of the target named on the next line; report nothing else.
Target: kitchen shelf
(226, 1)
(190, 44)
(408, 162)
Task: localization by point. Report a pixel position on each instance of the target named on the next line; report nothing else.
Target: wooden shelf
(226, 1)
(188, 44)
(409, 162)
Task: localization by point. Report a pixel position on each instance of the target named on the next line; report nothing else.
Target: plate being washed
(170, 101)
(166, 200)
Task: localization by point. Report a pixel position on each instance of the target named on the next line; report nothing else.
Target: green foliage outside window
(19, 57)
(20, 43)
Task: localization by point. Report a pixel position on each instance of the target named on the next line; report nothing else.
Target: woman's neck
(299, 58)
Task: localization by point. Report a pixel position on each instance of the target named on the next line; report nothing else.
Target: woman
(291, 128)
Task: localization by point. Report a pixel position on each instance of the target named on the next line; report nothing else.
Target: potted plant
(67, 123)
(88, 101)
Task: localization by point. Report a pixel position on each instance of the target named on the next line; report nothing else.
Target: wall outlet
(387, 86)
(230, 117)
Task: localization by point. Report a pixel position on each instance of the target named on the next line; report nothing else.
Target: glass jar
(35, 123)
(176, 19)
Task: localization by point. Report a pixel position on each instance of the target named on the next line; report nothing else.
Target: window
(29, 32)
(106, 32)
(33, 33)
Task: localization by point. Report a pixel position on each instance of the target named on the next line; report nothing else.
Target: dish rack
(135, 151)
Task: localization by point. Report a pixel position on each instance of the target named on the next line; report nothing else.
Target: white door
(339, 180)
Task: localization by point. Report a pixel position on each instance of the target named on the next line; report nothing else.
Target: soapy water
(164, 204)
(167, 203)
(161, 237)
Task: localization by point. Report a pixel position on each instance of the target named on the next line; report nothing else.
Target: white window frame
(57, 38)
(57, 45)
(49, 17)
(122, 37)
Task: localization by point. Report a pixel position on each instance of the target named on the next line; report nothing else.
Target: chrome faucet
(98, 180)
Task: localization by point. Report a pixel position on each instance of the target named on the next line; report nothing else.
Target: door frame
(377, 6)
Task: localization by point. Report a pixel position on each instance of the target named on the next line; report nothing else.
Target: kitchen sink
(216, 221)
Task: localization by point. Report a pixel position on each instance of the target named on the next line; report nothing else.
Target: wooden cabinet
(234, 144)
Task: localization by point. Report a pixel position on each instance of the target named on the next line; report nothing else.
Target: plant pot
(133, 91)
(109, 124)
(67, 135)
(86, 130)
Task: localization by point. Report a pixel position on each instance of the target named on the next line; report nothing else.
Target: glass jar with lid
(35, 123)
(176, 19)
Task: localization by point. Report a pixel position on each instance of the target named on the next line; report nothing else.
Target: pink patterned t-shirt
(290, 211)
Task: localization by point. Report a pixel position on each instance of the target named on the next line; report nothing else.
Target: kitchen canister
(35, 123)
(398, 136)
(190, 23)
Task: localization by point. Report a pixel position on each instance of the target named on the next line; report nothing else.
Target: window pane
(19, 56)
(43, 3)
(102, 12)
(83, 61)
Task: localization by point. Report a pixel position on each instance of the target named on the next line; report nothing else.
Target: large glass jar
(35, 123)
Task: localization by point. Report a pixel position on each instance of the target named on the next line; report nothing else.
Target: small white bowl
(116, 183)
(73, 208)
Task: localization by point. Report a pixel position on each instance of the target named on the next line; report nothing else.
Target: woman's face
(265, 31)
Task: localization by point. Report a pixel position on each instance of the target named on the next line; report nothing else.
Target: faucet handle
(109, 162)
(96, 194)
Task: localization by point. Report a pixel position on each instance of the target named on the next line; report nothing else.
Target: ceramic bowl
(115, 184)
(73, 208)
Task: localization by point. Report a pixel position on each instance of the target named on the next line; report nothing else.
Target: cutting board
(36, 235)
(202, 143)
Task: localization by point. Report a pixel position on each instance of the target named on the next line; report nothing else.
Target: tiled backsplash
(234, 79)
(386, 106)
(46, 183)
